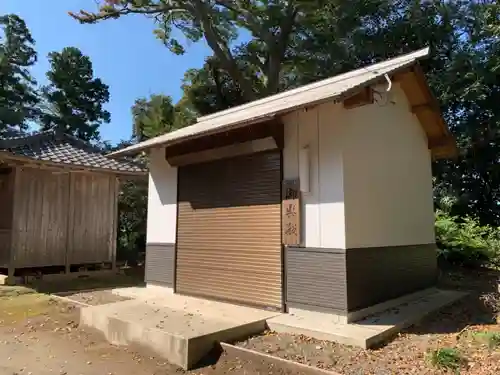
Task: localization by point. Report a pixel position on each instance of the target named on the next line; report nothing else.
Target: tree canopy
(272, 24)
(74, 98)
(18, 98)
(264, 46)
(463, 71)
(260, 47)
(152, 117)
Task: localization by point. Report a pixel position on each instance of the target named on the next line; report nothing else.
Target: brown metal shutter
(229, 230)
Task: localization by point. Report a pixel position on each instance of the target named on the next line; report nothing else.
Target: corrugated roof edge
(397, 63)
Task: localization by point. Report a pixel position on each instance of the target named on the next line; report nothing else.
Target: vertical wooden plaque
(291, 212)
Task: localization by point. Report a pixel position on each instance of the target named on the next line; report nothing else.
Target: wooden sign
(291, 212)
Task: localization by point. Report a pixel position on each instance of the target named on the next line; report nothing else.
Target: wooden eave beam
(426, 108)
(361, 98)
(273, 128)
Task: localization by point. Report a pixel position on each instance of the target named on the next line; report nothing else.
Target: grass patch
(446, 358)
(14, 291)
(492, 339)
(21, 307)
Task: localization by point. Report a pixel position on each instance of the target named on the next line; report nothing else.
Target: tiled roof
(60, 148)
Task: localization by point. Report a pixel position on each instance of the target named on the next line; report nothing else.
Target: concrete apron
(370, 331)
(180, 329)
(184, 329)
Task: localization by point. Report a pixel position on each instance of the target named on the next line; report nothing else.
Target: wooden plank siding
(63, 218)
(40, 215)
(6, 205)
(94, 215)
(6, 194)
(5, 235)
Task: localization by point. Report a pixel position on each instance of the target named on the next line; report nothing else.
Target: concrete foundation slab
(177, 328)
(370, 331)
(162, 296)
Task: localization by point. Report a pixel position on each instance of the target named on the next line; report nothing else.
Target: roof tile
(61, 148)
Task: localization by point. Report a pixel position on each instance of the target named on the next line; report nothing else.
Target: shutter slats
(229, 230)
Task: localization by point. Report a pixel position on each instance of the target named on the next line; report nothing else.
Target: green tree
(325, 38)
(152, 117)
(210, 89)
(18, 98)
(74, 98)
(272, 25)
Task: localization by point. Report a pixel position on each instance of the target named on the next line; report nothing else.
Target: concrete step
(180, 337)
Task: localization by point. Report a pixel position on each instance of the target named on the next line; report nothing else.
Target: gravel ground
(453, 327)
(40, 336)
(98, 297)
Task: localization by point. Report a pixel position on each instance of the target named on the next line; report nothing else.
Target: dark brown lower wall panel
(160, 261)
(378, 274)
(5, 242)
(346, 280)
(316, 279)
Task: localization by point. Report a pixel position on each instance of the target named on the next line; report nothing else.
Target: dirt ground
(40, 336)
(98, 297)
(454, 327)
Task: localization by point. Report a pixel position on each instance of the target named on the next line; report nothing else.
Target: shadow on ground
(130, 276)
(469, 311)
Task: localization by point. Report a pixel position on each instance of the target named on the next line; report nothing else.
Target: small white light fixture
(304, 167)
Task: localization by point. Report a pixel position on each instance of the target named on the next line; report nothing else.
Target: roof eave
(425, 107)
(254, 120)
(398, 63)
(24, 160)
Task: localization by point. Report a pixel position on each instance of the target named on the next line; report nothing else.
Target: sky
(124, 52)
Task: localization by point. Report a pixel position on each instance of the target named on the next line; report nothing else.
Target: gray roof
(275, 105)
(64, 149)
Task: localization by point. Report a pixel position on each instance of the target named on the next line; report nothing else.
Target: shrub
(446, 358)
(492, 302)
(464, 242)
(492, 339)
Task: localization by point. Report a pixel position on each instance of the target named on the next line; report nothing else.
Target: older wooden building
(58, 202)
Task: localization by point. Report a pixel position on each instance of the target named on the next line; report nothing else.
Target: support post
(10, 275)
(14, 231)
(114, 232)
(70, 222)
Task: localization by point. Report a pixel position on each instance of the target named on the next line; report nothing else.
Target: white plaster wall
(320, 129)
(162, 199)
(387, 176)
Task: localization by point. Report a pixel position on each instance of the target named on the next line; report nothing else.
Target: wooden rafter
(426, 108)
(363, 97)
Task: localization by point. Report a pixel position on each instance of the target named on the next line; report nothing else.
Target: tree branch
(278, 47)
(112, 11)
(219, 93)
(221, 50)
(251, 22)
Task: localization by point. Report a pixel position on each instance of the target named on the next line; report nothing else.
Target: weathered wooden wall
(93, 218)
(6, 189)
(40, 218)
(6, 203)
(63, 218)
